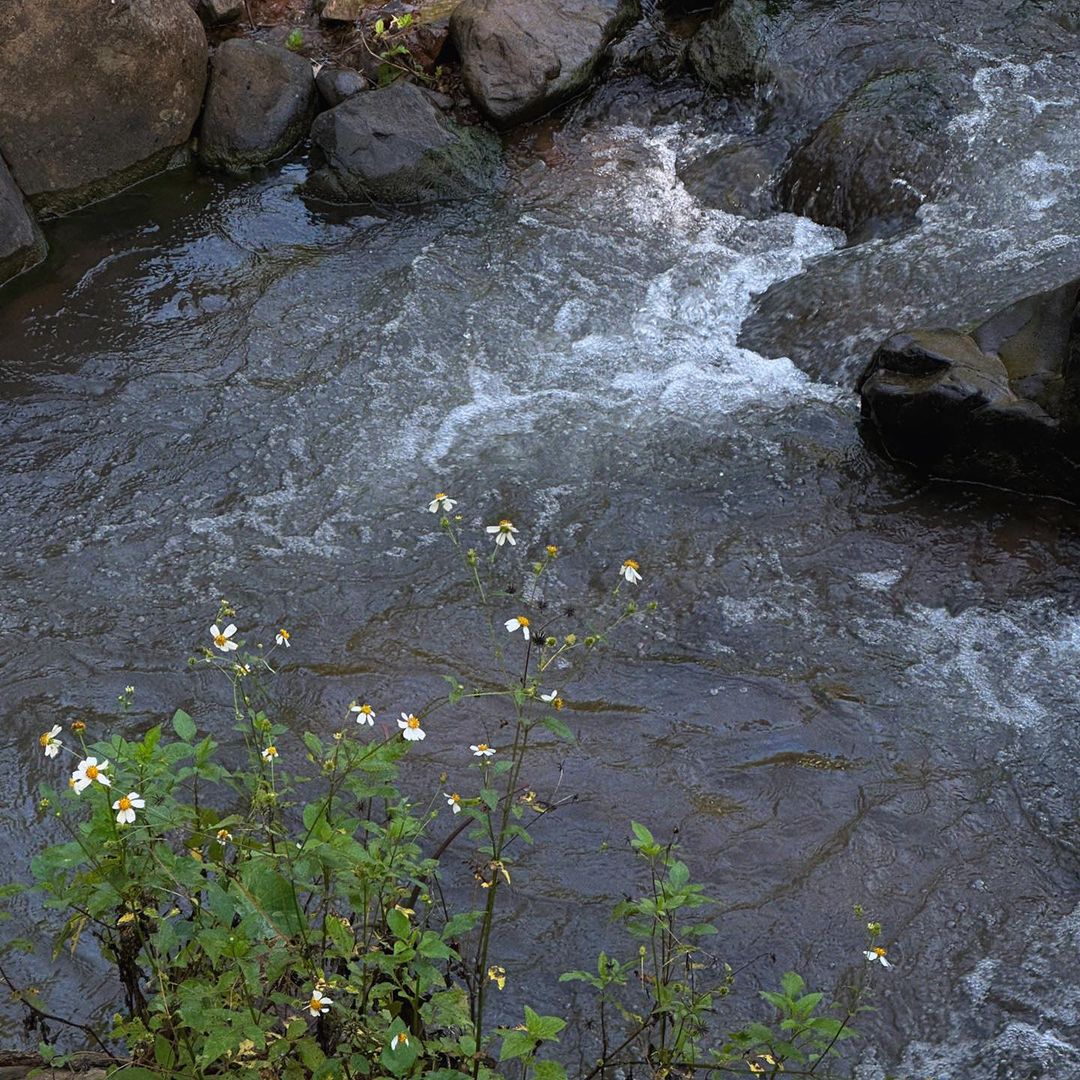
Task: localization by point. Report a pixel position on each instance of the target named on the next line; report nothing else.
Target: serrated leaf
(183, 725)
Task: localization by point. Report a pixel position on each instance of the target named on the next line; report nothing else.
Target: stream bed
(859, 687)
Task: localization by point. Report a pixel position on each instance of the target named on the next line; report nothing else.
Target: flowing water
(859, 688)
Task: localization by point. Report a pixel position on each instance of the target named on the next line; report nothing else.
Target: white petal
(214, 631)
(493, 529)
(525, 631)
(510, 536)
(511, 625)
(230, 630)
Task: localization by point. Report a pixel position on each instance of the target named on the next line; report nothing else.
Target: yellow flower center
(91, 772)
(631, 564)
(315, 1005)
(367, 710)
(45, 739)
(879, 951)
(123, 803)
(558, 703)
(441, 495)
(505, 525)
(522, 621)
(455, 797)
(482, 747)
(552, 550)
(78, 726)
(220, 640)
(284, 633)
(413, 722)
(271, 751)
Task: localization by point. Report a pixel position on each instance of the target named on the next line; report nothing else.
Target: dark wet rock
(737, 47)
(94, 97)
(998, 404)
(220, 12)
(336, 84)
(393, 146)
(873, 163)
(650, 50)
(521, 58)
(21, 242)
(735, 178)
(258, 107)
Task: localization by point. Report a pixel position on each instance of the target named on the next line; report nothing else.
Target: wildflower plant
(285, 918)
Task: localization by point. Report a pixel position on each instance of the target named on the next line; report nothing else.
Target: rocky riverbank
(842, 113)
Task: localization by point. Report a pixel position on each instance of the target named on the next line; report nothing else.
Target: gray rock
(220, 12)
(521, 58)
(393, 146)
(258, 107)
(873, 163)
(21, 243)
(335, 84)
(93, 96)
(996, 404)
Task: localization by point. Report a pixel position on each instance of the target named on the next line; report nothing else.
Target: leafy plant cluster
(285, 916)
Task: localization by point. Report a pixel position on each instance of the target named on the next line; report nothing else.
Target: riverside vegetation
(287, 917)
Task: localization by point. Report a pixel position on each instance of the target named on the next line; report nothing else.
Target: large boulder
(393, 147)
(521, 58)
(259, 105)
(873, 163)
(21, 242)
(997, 403)
(95, 96)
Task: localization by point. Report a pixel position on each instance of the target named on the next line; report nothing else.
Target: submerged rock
(874, 162)
(259, 105)
(21, 242)
(94, 97)
(393, 146)
(521, 58)
(998, 404)
(736, 178)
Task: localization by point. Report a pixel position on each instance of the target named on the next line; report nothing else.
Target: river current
(859, 687)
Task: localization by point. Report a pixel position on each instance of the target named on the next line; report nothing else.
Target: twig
(84, 1028)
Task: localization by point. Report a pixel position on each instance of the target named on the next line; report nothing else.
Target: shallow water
(859, 687)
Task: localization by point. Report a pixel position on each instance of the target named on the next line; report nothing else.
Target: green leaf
(558, 727)
(543, 1028)
(792, 983)
(516, 1044)
(549, 1070)
(183, 725)
(679, 874)
(642, 835)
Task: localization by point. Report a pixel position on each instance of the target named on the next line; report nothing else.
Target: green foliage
(284, 916)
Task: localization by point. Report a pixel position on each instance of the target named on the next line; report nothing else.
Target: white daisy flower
(127, 805)
(269, 753)
(319, 1003)
(482, 750)
(282, 637)
(442, 502)
(453, 800)
(365, 714)
(221, 637)
(877, 955)
(519, 623)
(503, 532)
(400, 1039)
(224, 837)
(48, 741)
(629, 570)
(410, 728)
(87, 772)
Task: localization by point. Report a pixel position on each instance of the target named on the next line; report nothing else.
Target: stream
(859, 687)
